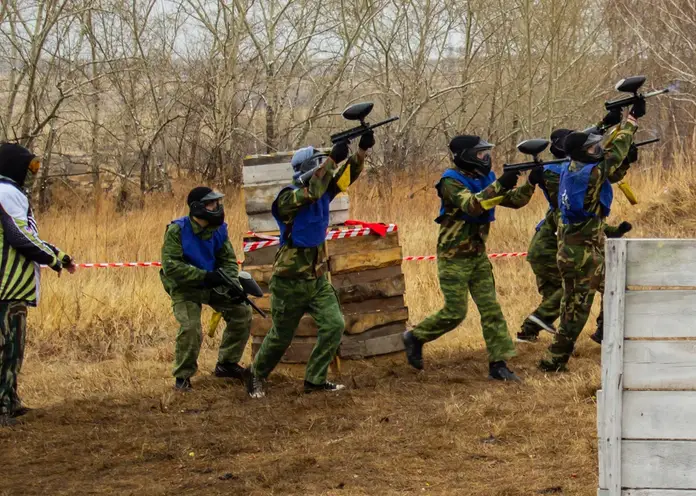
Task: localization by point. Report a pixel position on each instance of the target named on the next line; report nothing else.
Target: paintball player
(585, 196)
(195, 248)
(469, 191)
(299, 283)
(22, 254)
(543, 248)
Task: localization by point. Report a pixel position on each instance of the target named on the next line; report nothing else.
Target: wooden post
(610, 412)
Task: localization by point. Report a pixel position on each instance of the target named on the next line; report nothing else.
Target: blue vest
(308, 229)
(572, 191)
(556, 169)
(475, 185)
(197, 251)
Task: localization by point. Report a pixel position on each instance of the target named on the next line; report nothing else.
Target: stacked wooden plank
(366, 271)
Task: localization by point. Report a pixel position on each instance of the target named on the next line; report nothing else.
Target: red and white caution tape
(490, 255)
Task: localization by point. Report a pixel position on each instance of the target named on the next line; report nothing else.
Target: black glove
(339, 152)
(57, 266)
(632, 155)
(367, 140)
(612, 118)
(509, 179)
(536, 176)
(638, 109)
(624, 228)
(213, 280)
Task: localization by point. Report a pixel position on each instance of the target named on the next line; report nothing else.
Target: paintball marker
(358, 112)
(246, 286)
(631, 85)
(532, 147)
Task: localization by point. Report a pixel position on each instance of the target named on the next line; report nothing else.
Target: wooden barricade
(647, 404)
(365, 270)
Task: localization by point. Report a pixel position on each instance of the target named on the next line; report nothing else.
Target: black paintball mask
(558, 137)
(584, 147)
(199, 201)
(465, 150)
(18, 164)
(304, 162)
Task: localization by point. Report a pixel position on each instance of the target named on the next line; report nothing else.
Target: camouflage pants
(582, 271)
(237, 317)
(13, 328)
(290, 300)
(459, 277)
(542, 256)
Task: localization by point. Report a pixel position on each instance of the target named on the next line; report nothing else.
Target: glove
(68, 263)
(339, 152)
(638, 109)
(57, 266)
(213, 280)
(509, 179)
(367, 140)
(612, 118)
(632, 155)
(624, 228)
(536, 177)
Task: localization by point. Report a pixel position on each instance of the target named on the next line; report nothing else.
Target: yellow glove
(492, 202)
(214, 321)
(628, 192)
(344, 180)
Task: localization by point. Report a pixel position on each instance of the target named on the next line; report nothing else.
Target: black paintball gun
(631, 85)
(532, 147)
(246, 286)
(358, 112)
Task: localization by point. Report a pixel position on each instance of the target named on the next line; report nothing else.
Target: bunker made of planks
(366, 271)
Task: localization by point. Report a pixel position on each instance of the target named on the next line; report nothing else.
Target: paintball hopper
(249, 286)
(533, 147)
(358, 112)
(631, 85)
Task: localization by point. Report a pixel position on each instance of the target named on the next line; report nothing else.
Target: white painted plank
(659, 364)
(612, 364)
(260, 198)
(659, 415)
(658, 492)
(659, 464)
(268, 173)
(660, 314)
(601, 438)
(661, 262)
(264, 222)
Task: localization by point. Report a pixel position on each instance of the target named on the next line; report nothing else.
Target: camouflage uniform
(581, 252)
(299, 284)
(464, 267)
(184, 284)
(542, 256)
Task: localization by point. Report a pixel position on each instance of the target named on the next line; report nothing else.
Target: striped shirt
(21, 249)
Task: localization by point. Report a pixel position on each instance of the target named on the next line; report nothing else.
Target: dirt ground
(447, 430)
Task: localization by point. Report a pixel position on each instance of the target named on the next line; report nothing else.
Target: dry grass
(101, 344)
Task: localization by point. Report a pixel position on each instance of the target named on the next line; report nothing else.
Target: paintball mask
(471, 154)
(19, 164)
(558, 137)
(584, 147)
(205, 204)
(304, 161)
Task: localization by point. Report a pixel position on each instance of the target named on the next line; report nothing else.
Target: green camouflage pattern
(13, 330)
(460, 238)
(581, 251)
(237, 317)
(309, 263)
(459, 277)
(290, 300)
(181, 280)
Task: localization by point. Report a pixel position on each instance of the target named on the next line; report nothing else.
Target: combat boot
(254, 386)
(552, 366)
(414, 350)
(547, 326)
(327, 386)
(499, 371)
(183, 385)
(597, 336)
(22, 410)
(230, 370)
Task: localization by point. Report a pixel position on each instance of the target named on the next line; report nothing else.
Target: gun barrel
(525, 166)
(646, 142)
(630, 100)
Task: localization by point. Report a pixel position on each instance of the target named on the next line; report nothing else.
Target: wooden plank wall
(366, 272)
(647, 404)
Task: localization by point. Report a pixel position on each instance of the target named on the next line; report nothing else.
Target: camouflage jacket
(459, 238)
(591, 231)
(310, 263)
(183, 281)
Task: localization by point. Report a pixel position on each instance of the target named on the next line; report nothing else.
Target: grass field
(101, 343)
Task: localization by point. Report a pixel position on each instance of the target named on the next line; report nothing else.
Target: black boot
(22, 410)
(7, 421)
(414, 350)
(598, 336)
(499, 371)
(230, 370)
(327, 386)
(552, 366)
(254, 386)
(547, 326)
(182, 385)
